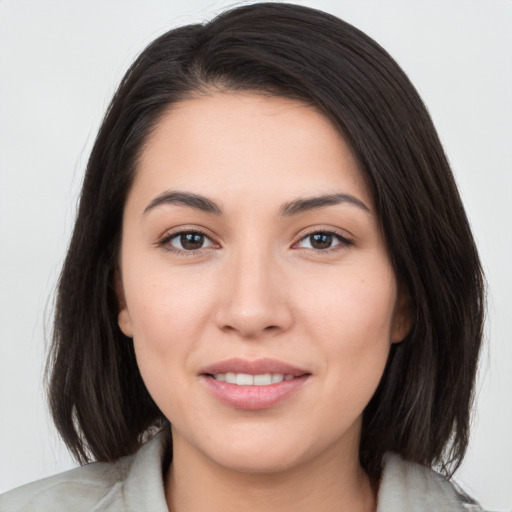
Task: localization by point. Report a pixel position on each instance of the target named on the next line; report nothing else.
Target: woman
(271, 280)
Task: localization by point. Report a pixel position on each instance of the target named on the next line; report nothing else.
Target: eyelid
(346, 239)
(163, 241)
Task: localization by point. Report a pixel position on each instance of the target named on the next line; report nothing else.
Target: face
(255, 282)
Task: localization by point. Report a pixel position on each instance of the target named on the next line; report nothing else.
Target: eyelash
(165, 242)
(343, 242)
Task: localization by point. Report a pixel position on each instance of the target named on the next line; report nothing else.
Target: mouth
(246, 379)
(253, 385)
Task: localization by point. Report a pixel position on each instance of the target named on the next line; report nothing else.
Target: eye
(187, 241)
(323, 241)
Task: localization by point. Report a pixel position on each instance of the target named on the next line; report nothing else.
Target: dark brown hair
(421, 408)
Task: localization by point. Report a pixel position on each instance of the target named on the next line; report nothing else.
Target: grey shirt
(136, 484)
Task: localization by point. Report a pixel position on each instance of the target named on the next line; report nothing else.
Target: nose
(254, 301)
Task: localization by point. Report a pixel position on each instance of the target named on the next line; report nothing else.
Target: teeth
(230, 377)
(263, 380)
(245, 379)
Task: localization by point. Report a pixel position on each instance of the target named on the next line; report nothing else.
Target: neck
(332, 482)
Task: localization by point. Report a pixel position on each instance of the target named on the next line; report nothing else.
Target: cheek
(351, 321)
(166, 304)
(168, 311)
(167, 315)
(356, 304)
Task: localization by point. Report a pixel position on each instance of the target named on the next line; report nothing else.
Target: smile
(246, 379)
(253, 384)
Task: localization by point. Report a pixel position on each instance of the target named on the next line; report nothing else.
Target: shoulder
(411, 487)
(77, 489)
(132, 483)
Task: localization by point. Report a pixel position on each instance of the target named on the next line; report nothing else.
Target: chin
(258, 459)
(246, 447)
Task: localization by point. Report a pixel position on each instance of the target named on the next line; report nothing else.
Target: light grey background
(60, 62)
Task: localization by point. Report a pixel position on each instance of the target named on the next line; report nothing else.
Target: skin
(257, 288)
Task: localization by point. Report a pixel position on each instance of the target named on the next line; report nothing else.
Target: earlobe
(402, 318)
(125, 323)
(123, 318)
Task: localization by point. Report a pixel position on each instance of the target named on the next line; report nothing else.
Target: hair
(422, 406)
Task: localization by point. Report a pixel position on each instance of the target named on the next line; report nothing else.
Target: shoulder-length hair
(421, 408)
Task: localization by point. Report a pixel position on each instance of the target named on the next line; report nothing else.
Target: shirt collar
(411, 487)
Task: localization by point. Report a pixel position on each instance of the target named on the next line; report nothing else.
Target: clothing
(135, 484)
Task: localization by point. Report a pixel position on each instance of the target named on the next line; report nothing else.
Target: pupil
(191, 241)
(321, 240)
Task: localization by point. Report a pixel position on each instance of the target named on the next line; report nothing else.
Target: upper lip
(253, 367)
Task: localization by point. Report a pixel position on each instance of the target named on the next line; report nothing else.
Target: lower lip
(253, 398)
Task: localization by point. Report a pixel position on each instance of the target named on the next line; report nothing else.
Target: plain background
(60, 62)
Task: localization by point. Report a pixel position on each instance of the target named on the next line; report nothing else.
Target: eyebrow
(295, 207)
(305, 204)
(189, 199)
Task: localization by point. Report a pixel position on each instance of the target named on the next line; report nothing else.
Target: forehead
(232, 145)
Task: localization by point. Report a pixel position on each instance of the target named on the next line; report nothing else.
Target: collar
(144, 485)
(410, 487)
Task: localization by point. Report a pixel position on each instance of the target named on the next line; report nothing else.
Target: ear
(402, 317)
(123, 318)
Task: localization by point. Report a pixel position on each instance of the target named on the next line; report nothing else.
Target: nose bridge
(251, 277)
(255, 300)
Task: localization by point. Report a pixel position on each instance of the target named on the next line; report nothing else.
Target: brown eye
(189, 241)
(323, 241)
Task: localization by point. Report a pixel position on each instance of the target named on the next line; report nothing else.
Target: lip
(253, 367)
(253, 397)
